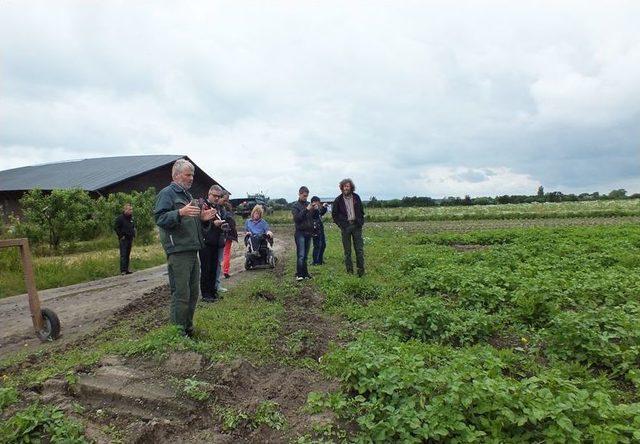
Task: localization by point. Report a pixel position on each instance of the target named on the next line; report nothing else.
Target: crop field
(517, 331)
(602, 208)
(508, 335)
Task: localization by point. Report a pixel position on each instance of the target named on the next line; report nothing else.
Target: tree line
(540, 197)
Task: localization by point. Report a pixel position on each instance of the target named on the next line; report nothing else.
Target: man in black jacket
(348, 214)
(211, 252)
(126, 231)
(303, 213)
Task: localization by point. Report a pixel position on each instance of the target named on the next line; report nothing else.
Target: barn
(99, 176)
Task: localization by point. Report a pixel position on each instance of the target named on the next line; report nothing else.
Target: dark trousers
(319, 245)
(183, 279)
(303, 244)
(208, 267)
(349, 233)
(125, 253)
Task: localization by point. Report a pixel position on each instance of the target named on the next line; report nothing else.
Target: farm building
(100, 177)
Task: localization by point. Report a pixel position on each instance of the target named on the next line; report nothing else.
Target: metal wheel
(50, 326)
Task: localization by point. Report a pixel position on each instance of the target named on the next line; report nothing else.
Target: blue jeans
(319, 245)
(303, 243)
(218, 266)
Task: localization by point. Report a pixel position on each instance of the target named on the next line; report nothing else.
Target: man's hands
(193, 210)
(219, 222)
(190, 210)
(310, 207)
(208, 214)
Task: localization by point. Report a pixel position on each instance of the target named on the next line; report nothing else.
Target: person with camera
(126, 231)
(348, 214)
(319, 240)
(179, 219)
(303, 213)
(212, 252)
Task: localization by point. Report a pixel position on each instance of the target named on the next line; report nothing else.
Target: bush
(107, 209)
(62, 215)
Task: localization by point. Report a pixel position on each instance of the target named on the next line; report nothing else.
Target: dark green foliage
(519, 335)
(107, 209)
(604, 337)
(408, 392)
(39, 423)
(430, 318)
(62, 215)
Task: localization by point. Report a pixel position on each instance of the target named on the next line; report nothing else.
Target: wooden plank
(13, 242)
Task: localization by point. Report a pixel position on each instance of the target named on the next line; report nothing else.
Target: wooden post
(30, 282)
(29, 279)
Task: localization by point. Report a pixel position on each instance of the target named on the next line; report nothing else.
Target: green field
(462, 331)
(516, 335)
(602, 208)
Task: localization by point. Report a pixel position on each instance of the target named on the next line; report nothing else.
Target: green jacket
(176, 233)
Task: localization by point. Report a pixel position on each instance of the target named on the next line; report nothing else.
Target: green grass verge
(59, 271)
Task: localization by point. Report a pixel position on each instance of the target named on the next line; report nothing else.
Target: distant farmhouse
(100, 177)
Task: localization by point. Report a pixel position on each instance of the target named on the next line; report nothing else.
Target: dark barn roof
(87, 174)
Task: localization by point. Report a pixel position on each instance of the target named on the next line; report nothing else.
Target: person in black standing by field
(126, 231)
(212, 250)
(348, 214)
(303, 213)
(319, 240)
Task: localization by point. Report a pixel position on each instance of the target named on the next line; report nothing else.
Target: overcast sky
(407, 98)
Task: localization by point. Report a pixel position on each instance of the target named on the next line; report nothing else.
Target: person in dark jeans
(212, 250)
(319, 240)
(303, 213)
(126, 231)
(348, 214)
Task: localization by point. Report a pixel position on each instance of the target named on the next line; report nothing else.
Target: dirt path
(84, 308)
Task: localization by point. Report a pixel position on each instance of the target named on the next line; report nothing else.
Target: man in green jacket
(179, 218)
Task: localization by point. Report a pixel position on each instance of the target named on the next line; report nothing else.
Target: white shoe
(299, 278)
(222, 289)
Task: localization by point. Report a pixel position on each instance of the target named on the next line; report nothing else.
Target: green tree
(618, 194)
(62, 215)
(107, 209)
(540, 191)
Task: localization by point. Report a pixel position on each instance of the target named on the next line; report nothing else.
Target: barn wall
(9, 202)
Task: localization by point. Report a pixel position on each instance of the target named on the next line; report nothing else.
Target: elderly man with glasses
(212, 252)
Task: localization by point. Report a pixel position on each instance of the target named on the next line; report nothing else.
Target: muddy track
(85, 308)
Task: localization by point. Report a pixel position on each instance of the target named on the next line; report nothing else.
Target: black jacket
(214, 236)
(125, 227)
(303, 218)
(339, 211)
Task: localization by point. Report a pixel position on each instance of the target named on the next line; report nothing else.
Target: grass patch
(62, 270)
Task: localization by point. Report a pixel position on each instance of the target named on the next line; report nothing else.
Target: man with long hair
(348, 214)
